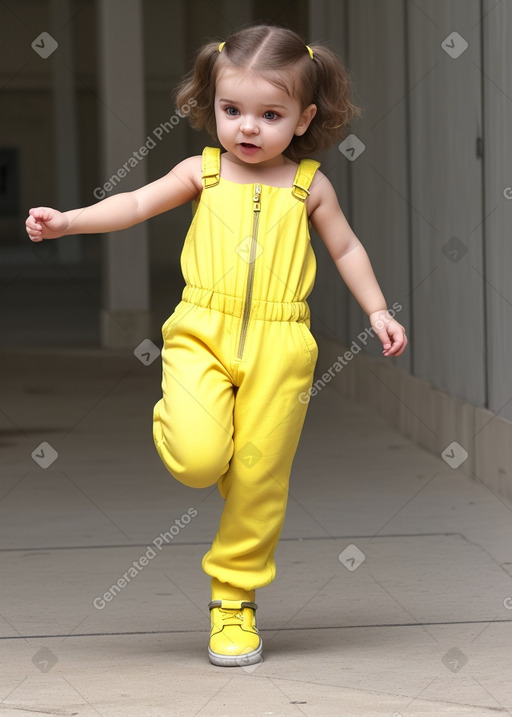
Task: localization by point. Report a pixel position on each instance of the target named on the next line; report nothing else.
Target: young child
(237, 350)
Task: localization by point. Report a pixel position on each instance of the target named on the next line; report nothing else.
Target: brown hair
(281, 57)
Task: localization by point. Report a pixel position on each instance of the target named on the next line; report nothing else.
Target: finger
(34, 230)
(32, 225)
(41, 214)
(35, 213)
(405, 342)
(385, 339)
(389, 337)
(34, 236)
(395, 350)
(399, 344)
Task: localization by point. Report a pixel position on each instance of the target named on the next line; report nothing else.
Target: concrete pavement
(393, 593)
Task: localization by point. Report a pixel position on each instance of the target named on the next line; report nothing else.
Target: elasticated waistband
(234, 305)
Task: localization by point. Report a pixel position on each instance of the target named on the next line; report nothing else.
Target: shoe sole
(250, 658)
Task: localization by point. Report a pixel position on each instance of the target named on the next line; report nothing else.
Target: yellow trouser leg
(206, 431)
(268, 419)
(193, 421)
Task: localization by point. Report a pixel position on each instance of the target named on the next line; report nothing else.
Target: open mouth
(248, 149)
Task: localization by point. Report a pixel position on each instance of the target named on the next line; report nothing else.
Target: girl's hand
(390, 332)
(45, 223)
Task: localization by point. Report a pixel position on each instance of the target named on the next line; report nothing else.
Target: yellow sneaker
(234, 639)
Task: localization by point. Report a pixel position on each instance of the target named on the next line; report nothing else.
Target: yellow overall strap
(210, 166)
(303, 178)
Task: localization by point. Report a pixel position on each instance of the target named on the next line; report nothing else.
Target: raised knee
(193, 472)
(192, 465)
(196, 461)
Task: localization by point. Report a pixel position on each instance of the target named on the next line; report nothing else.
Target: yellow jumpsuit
(237, 354)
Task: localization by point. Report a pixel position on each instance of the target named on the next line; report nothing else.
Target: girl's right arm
(180, 185)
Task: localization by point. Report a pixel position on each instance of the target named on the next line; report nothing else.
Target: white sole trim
(246, 660)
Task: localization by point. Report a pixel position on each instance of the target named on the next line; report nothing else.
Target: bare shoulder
(321, 193)
(190, 171)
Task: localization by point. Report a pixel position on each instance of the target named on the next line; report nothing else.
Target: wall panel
(497, 64)
(446, 197)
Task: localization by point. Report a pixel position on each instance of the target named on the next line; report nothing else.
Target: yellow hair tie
(310, 51)
(221, 46)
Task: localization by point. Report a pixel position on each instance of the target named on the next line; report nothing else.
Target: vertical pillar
(125, 317)
(445, 120)
(66, 139)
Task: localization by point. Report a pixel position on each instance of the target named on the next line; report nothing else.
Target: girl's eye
(232, 111)
(269, 115)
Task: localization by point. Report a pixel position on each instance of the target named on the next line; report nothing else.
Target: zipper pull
(257, 198)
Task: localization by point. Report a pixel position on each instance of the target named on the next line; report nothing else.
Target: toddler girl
(237, 351)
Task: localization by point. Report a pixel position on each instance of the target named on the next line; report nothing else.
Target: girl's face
(256, 120)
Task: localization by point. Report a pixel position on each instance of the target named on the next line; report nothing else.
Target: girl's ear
(305, 119)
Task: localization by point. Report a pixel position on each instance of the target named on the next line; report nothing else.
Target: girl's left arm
(353, 264)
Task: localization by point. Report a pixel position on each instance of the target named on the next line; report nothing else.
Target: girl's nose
(248, 125)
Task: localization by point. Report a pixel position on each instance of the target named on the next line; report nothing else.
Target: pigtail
(330, 89)
(197, 90)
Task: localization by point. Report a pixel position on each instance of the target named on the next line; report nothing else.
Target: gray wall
(497, 257)
(432, 211)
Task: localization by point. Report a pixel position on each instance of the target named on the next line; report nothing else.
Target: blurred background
(424, 180)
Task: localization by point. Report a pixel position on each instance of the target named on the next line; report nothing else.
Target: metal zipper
(256, 207)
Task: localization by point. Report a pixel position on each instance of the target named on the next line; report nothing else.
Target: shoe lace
(227, 614)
